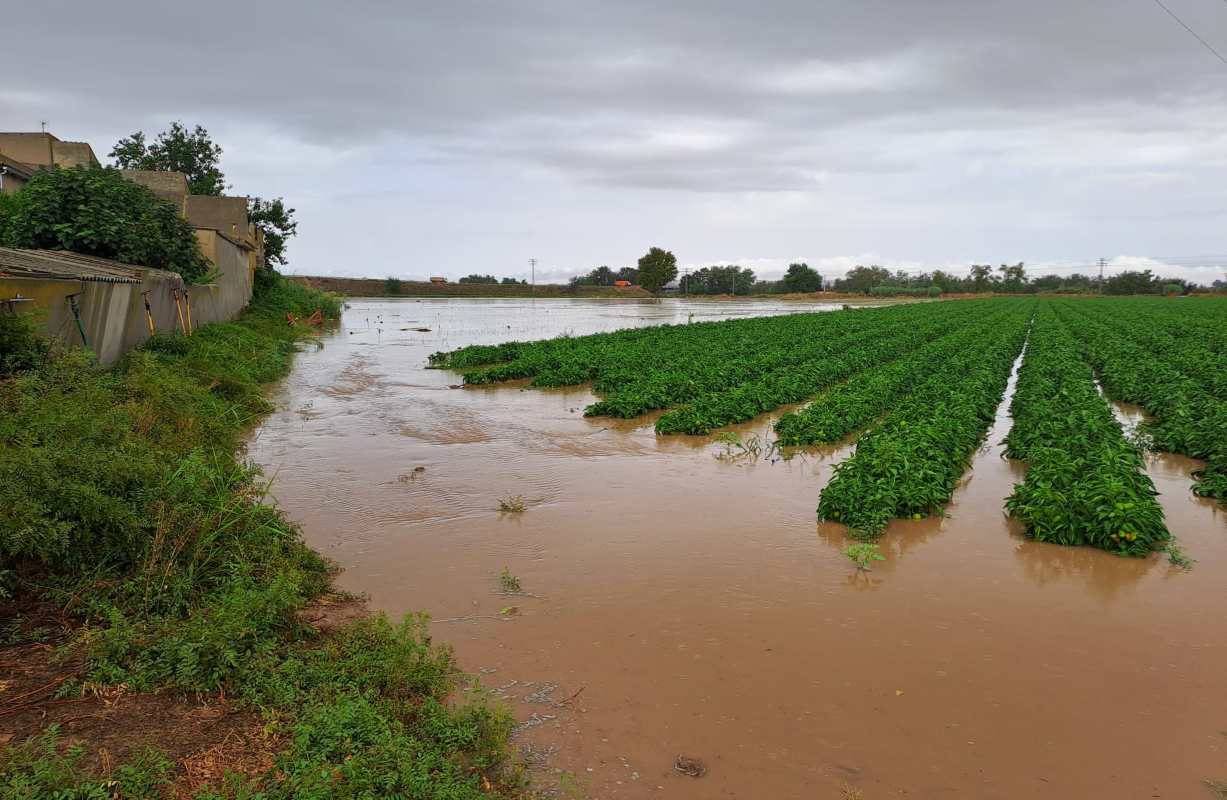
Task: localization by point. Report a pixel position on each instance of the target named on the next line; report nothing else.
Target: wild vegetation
(122, 506)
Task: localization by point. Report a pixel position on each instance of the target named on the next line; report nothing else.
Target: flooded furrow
(676, 603)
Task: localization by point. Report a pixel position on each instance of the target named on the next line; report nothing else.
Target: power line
(1205, 44)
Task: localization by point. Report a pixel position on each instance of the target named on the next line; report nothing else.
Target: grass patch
(122, 502)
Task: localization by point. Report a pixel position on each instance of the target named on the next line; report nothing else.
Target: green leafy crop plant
(795, 382)
(1123, 350)
(729, 371)
(1085, 483)
(910, 463)
(855, 404)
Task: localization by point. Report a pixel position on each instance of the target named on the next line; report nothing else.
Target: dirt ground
(204, 735)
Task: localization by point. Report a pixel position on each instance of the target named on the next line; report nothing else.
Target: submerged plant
(862, 554)
(1176, 554)
(509, 582)
(752, 447)
(512, 504)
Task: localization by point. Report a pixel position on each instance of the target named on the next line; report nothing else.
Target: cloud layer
(471, 136)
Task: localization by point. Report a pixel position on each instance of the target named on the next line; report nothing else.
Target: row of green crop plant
(1173, 332)
(629, 391)
(855, 404)
(642, 370)
(910, 464)
(662, 366)
(794, 382)
(1186, 419)
(587, 357)
(1085, 483)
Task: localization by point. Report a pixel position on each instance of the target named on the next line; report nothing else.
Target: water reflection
(1104, 574)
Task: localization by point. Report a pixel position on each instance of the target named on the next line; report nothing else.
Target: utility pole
(532, 264)
(43, 124)
(1103, 262)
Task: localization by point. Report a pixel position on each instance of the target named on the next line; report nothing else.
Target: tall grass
(122, 500)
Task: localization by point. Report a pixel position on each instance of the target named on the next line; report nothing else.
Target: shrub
(98, 212)
(21, 348)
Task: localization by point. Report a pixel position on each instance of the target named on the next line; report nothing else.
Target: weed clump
(509, 583)
(512, 504)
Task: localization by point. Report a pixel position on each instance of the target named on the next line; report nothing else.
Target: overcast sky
(456, 137)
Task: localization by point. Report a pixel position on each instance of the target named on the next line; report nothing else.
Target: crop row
(717, 372)
(910, 463)
(672, 385)
(795, 382)
(1085, 484)
(854, 405)
(1186, 418)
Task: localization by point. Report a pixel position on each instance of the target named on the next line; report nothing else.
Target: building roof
(66, 266)
(9, 165)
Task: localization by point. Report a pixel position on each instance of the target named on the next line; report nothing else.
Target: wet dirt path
(691, 606)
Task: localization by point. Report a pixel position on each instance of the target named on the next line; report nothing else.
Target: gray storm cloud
(478, 134)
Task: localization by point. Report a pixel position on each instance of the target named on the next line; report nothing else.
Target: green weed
(41, 768)
(510, 583)
(862, 554)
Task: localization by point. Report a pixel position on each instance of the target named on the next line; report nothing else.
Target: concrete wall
(170, 186)
(11, 182)
(28, 148)
(44, 149)
(225, 214)
(113, 314)
(231, 292)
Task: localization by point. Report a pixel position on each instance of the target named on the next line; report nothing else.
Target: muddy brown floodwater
(683, 605)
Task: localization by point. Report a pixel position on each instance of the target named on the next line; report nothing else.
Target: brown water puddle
(690, 606)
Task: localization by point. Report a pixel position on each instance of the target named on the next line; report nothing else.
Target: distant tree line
(1007, 278)
(658, 269)
(604, 276)
(490, 279)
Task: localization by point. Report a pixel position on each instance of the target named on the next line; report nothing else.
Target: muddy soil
(675, 604)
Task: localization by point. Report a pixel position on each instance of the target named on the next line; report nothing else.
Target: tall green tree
(656, 268)
(191, 152)
(862, 279)
(276, 220)
(800, 277)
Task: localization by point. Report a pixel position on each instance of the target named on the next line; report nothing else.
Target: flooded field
(677, 604)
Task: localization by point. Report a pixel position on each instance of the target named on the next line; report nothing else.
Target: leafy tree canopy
(604, 276)
(656, 268)
(801, 277)
(191, 152)
(730, 279)
(475, 278)
(277, 222)
(97, 212)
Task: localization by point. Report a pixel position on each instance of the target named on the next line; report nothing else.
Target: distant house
(222, 227)
(437, 279)
(44, 150)
(23, 154)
